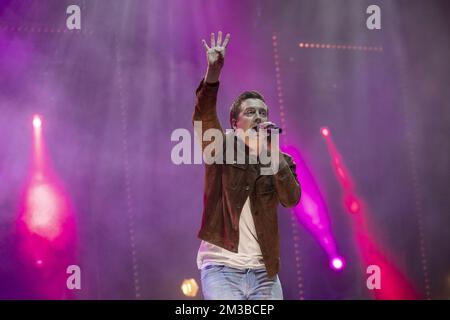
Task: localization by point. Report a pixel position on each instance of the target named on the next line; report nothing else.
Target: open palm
(216, 53)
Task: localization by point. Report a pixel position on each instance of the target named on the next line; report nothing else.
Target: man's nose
(260, 116)
(258, 120)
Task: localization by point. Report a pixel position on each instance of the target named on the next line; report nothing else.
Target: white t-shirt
(249, 253)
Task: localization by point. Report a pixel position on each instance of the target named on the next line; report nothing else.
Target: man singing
(239, 253)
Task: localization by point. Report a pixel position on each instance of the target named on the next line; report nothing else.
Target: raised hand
(215, 55)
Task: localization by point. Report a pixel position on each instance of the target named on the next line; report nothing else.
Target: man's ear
(233, 123)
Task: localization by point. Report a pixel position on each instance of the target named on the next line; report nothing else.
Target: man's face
(253, 111)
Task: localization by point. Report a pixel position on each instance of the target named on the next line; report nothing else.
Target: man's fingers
(205, 45)
(219, 38)
(225, 42)
(213, 41)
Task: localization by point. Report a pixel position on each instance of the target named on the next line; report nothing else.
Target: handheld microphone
(269, 127)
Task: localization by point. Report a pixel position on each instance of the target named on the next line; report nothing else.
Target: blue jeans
(225, 283)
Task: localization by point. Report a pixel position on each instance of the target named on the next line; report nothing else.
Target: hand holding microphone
(268, 126)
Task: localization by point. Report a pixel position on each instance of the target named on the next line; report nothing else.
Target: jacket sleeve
(206, 110)
(286, 182)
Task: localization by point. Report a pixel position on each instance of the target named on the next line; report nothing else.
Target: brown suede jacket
(227, 187)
